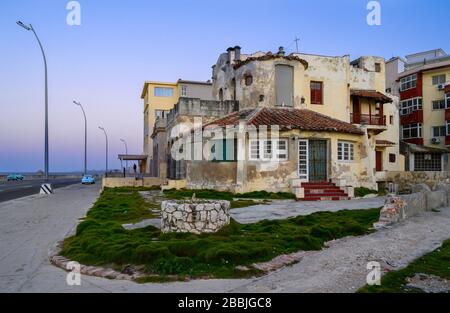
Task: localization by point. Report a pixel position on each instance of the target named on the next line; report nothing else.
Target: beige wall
(432, 117)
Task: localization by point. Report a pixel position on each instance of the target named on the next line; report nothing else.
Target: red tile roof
(288, 118)
(378, 96)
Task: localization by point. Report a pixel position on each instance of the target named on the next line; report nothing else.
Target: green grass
(123, 205)
(223, 195)
(101, 240)
(436, 263)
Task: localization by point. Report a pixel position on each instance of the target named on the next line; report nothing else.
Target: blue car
(88, 179)
(14, 177)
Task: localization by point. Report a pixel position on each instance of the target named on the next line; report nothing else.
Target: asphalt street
(17, 189)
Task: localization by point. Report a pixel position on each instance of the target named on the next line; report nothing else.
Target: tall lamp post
(30, 27)
(106, 137)
(85, 136)
(126, 151)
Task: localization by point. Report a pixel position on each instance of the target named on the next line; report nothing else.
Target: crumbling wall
(211, 175)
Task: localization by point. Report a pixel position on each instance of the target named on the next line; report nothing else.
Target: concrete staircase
(321, 191)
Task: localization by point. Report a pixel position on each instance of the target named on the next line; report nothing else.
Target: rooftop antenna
(296, 42)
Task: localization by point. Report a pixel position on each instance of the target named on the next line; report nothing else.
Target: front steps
(323, 191)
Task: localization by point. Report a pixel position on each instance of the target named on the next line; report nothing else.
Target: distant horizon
(104, 62)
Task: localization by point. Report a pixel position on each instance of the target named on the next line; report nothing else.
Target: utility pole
(296, 42)
(85, 136)
(106, 154)
(30, 27)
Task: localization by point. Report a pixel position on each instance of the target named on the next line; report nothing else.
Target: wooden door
(379, 161)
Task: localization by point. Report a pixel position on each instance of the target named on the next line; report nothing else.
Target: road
(30, 226)
(17, 189)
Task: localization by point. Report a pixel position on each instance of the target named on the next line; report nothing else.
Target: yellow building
(159, 98)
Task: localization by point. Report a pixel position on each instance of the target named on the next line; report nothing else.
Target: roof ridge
(254, 114)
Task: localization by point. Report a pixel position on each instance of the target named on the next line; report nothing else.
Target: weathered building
(314, 125)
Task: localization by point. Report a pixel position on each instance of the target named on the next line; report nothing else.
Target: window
(408, 82)
(378, 67)
(316, 92)
(392, 157)
(439, 104)
(438, 131)
(391, 119)
(268, 149)
(427, 162)
(163, 92)
(410, 105)
(161, 113)
(448, 128)
(224, 150)
(438, 79)
(412, 131)
(345, 151)
(183, 91)
(248, 80)
(447, 100)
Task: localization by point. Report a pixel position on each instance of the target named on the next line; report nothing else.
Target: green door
(317, 160)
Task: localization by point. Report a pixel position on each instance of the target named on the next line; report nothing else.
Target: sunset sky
(104, 62)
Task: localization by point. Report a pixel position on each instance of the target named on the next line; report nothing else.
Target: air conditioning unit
(441, 86)
(435, 141)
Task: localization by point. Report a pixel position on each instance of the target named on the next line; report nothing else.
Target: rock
(420, 188)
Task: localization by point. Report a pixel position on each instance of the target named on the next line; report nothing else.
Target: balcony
(413, 117)
(368, 119)
(447, 114)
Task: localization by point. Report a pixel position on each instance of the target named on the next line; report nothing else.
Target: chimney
(237, 53)
(230, 51)
(281, 51)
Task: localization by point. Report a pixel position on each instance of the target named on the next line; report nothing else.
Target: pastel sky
(120, 44)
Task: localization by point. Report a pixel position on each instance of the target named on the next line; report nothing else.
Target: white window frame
(344, 146)
(410, 105)
(257, 150)
(408, 82)
(304, 143)
(410, 127)
(183, 90)
(164, 90)
(439, 131)
(440, 103)
(439, 82)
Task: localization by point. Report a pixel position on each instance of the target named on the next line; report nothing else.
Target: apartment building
(424, 90)
(159, 98)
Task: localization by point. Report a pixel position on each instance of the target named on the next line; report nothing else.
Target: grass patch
(101, 240)
(434, 263)
(363, 191)
(123, 205)
(224, 195)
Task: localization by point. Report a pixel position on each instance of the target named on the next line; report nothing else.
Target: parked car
(14, 177)
(88, 179)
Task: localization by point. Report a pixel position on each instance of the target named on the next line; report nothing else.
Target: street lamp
(30, 27)
(85, 136)
(126, 152)
(106, 137)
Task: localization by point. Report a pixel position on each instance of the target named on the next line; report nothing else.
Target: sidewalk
(31, 225)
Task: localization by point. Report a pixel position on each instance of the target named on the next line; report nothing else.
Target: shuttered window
(316, 92)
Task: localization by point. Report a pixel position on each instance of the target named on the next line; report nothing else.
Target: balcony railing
(368, 119)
